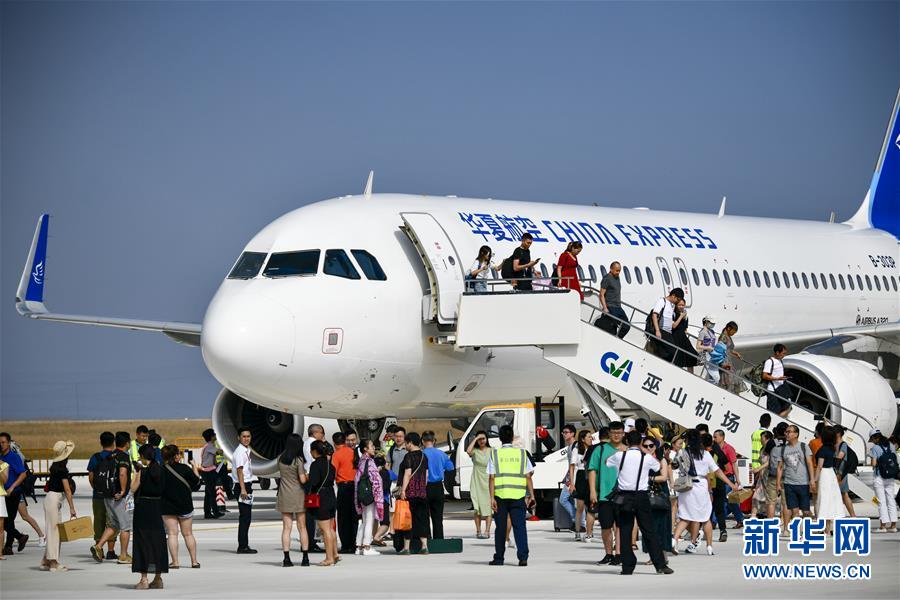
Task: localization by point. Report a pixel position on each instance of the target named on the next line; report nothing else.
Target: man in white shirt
(242, 474)
(662, 317)
(776, 389)
(634, 467)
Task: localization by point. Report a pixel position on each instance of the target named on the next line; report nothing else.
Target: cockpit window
(369, 265)
(248, 265)
(290, 264)
(337, 263)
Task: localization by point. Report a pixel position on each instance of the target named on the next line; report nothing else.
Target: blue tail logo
(884, 192)
(35, 291)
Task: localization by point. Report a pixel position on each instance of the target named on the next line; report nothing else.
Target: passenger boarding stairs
(557, 322)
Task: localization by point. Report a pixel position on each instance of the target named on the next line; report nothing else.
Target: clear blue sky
(162, 136)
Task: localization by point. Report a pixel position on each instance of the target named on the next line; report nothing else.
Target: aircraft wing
(886, 332)
(30, 298)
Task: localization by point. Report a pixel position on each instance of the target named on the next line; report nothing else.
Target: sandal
(327, 563)
(174, 566)
(195, 566)
(142, 585)
(61, 568)
(378, 543)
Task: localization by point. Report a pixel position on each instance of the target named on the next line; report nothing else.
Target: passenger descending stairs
(626, 370)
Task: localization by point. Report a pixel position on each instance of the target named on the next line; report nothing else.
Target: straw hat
(62, 450)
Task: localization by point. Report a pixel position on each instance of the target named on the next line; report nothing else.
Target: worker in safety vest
(141, 437)
(755, 440)
(509, 476)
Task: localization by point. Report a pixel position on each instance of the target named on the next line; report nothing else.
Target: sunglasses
(649, 446)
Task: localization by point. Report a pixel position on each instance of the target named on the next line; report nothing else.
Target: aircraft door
(445, 272)
(681, 275)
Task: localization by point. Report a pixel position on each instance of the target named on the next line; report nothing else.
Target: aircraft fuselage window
(796, 281)
(815, 280)
(805, 281)
(716, 277)
(877, 283)
(833, 282)
(894, 282)
(756, 279)
(787, 282)
(248, 265)
(369, 265)
(726, 277)
(649, 275)
(637, 275)
(747, 278)
(705, 277)
(859, 282)
(291, 264)
(776, 279)
(869, 283)
(338, 264)
(886, 287)
(627, 273)
(696, 276)
(683, 274)
(737, 278)
(666, 276)
(841, 279)
(766, 279)
(824, 281)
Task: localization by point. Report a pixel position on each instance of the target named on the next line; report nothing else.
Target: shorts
(581, 486)
(771, 490)
(606, 514)
(797, 496)
(100, 518)
(3, 514)
(117, 514)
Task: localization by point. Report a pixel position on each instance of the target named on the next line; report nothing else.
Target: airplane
(345, 308)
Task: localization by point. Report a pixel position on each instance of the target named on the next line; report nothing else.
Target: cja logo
(622, 371)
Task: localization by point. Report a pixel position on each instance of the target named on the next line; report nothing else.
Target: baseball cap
(874, 432)
(709, 318)
(629, 425)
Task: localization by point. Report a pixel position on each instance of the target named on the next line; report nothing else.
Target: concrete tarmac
(558, 567)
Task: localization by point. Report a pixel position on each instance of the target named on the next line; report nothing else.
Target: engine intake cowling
(268, 427)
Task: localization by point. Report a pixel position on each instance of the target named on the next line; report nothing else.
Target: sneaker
(674, 546)
(691, 549)
(111, 555)
(510, 544)
(588, 539)
(615, 561)
(96, 553)
(239, 551)
(881, 530)
(523, 563)
(23, 539)
(371, 552)
(358, 551)
(739, 525)
(496, 563)
(577, 536)
(709, 550)
(605, 560)
(7, 551)
(892, 530)
(42, 541)
(124, 559)
(723, 536)
(287, 563)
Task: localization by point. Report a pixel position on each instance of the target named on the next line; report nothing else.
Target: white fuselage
(267, 338)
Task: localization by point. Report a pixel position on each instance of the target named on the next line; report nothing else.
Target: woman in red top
(567, 267)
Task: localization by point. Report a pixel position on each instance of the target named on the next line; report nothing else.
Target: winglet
(368, 191)
(30, 295)
(722, 207)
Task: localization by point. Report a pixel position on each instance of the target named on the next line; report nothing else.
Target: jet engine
(268, 427)
(850, 386)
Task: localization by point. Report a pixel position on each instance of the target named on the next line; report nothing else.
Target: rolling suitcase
(561, 519)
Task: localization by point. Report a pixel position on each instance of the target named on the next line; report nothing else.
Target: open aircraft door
(445, 273)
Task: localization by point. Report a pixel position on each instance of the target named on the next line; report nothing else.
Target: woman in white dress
(695, 505)
(829, 502)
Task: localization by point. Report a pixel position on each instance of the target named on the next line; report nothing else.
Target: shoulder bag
(624, 498)
(313, 499)
(364, 486)
(685, 483)
(179, 477)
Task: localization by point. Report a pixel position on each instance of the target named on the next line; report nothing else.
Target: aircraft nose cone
(247, 340)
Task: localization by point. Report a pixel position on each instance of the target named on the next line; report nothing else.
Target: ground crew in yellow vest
(756, 442)
(509, 474)
(141, 436)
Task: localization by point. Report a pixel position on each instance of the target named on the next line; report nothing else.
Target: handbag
(402, 520)
(416, 491)
(313, 499)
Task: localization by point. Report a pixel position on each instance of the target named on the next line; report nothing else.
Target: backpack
(887, 464)
(506, 269)
(364, 488)
(850, 462)
(717, 356)
(756, 376)
(106, 476)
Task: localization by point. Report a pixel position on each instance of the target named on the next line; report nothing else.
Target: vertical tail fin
(31, 286)
(881, 207)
